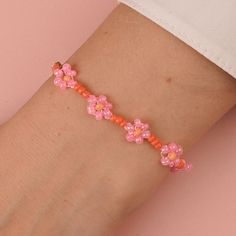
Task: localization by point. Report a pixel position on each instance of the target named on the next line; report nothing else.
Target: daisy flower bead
(137, 132)
(170, 156)
(99, 107)
(64, 76)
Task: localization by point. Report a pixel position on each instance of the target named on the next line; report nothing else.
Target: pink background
(36, 33)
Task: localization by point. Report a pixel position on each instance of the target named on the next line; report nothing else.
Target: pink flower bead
(64, 77)
(170, 156)
(66, 67)
(137, 132)
(99, 107)
(71, 83)
(58, 73)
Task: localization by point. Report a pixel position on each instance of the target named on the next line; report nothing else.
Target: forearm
(151, 74)
(63, 171)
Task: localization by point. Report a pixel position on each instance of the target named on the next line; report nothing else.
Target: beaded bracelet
(137, 131)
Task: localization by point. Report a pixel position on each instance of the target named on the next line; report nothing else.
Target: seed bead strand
(82, 90)
(137, 131)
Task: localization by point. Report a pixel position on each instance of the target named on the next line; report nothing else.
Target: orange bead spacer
(113, 117)
(118, 120)
(181, 164)
(77, 86)
(158, 146)
(151, 138)
(81, 89)
(155, 142)
(86, 94)
(123, 123)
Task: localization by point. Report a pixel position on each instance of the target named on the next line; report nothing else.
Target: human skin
(63, 172)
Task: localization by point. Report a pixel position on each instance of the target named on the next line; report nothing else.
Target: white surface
(208, 26)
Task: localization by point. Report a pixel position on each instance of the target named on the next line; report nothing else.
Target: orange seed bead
(123, 123)
(159, 145)
(154, 142)
(113, 118)
(151, 138)
(119, 119)
(86, 94)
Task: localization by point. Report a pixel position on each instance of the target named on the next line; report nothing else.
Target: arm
(59, 177)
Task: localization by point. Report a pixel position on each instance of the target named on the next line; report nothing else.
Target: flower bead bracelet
(136, 132)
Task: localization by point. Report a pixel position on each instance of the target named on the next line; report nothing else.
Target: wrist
(57, 163)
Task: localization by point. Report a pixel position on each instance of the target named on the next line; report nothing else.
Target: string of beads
(136, 132)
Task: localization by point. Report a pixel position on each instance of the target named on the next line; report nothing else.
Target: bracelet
(136, 132)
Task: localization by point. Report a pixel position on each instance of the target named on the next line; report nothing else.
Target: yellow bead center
(172, 156)
(99, 106)
(137, 132)
(66, 78)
